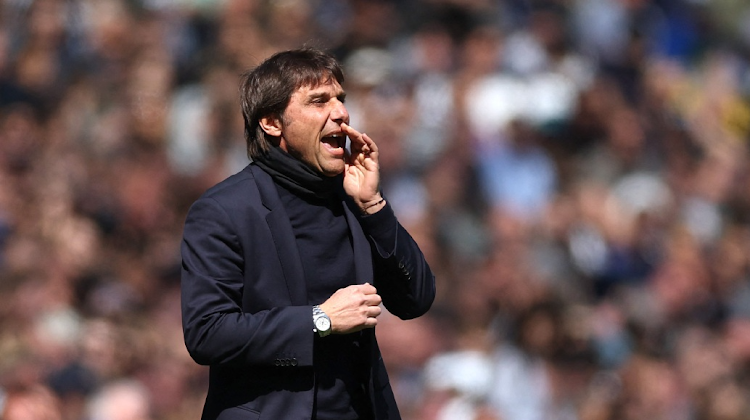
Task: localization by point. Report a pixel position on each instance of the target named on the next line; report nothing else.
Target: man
(286, 263)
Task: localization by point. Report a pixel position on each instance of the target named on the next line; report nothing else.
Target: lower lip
(336, 151)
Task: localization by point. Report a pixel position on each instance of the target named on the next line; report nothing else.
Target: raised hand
(362, 171)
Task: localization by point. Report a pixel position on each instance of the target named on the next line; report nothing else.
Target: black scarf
(297, 177)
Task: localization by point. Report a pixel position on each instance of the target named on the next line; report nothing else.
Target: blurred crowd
(576, 172)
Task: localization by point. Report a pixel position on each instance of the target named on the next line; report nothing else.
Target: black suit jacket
(245, 310)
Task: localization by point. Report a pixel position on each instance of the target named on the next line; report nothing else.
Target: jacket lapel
(283, 238)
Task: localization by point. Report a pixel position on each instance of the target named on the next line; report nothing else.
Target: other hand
(353, 308)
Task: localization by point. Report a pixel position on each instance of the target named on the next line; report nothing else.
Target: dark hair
(267, 89)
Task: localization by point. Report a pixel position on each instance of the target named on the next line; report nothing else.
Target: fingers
(366, 288)
(361, 143)
(372, 320)
(371, 296)
(361, 166)
(353, 308)
(371, 303)
(372, 312)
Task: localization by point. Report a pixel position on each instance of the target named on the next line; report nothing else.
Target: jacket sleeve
(217, 330)
(402, 276)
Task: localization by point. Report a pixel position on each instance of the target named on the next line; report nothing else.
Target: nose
(339, 114)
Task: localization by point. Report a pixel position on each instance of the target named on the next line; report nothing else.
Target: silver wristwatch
(321, 321)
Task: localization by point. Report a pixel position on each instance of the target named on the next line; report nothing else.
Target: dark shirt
(325, 248)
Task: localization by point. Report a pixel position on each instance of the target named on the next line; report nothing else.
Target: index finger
(361, 140)
(368, 289)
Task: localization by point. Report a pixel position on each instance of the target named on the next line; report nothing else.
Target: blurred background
(576, 172)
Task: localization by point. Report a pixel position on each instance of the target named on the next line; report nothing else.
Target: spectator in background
(116, 114)
(35, 402)
(122, 400)
(517, 175)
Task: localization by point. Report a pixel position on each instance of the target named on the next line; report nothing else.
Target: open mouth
(335, 142)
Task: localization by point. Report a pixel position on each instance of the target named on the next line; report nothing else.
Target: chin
(333, 172)
(333, 169)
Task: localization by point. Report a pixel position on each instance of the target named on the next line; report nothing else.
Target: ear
(271, 125)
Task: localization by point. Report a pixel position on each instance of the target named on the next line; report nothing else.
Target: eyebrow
(325, 95)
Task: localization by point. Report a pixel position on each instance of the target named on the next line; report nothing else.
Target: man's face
(311, 127)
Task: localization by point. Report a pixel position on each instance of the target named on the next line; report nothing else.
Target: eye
(318, 100)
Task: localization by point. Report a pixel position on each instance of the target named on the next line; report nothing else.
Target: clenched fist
(353, 308)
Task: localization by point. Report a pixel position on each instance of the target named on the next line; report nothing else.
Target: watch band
(321, 322)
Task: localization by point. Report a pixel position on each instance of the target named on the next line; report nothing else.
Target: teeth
(336, 139)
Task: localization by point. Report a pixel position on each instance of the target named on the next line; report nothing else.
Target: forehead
(329, 86)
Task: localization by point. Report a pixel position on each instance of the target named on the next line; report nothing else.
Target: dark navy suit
(245, 309)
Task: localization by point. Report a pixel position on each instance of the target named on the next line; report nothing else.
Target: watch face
(322, 324)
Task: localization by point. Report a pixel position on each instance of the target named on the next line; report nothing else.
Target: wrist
(321, 322)
(372, 206)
